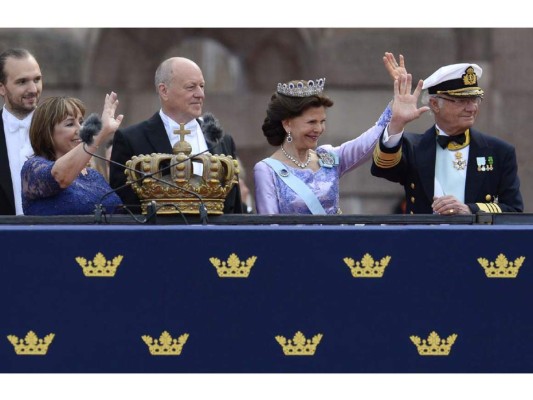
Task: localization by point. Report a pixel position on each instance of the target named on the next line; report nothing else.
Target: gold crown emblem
(173, 185)
(470, 77)
(501, 267)
(99, 266)
(434, 345)
(299, 345)
(234, 267)
(367, 267)
(165, 345)
(31, 345)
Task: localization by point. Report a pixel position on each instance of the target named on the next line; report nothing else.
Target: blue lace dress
(273, 196)
(41, 194)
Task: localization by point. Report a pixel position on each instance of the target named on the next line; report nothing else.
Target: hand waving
(109, 123)
(394, 69)
(404, 106)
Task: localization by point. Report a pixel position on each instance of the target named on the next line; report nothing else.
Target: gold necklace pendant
(459, 163)
(295, 161)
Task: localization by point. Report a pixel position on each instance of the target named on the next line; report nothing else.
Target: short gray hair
(163, 74)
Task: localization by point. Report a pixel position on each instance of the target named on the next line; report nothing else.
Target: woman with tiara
(301, 177)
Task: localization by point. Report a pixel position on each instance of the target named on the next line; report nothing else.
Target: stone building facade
(242, 67)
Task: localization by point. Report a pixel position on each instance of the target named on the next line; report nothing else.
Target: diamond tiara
(302, 88)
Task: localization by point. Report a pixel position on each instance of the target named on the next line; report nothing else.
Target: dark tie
(444, 140)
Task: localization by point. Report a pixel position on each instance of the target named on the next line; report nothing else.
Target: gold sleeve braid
(492, 208)
(386, 160)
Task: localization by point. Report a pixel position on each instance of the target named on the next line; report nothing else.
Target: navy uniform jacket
(7, 198)
(412, 164)
(150, 137)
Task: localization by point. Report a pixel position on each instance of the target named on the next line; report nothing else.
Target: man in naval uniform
(451, 168)
(180, 85)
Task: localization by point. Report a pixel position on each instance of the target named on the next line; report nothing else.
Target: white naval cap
(455, 80)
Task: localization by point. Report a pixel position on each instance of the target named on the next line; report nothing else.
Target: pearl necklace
(294, 160)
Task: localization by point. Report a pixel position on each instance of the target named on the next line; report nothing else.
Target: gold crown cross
(182, 132)
(182, 146)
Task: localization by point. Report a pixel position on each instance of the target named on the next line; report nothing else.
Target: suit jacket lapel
(5, 172)
(475, 179)
(425, 154)
(156, 135)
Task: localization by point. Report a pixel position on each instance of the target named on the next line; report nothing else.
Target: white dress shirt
(195, 138)
(448, 179)
(17, 134)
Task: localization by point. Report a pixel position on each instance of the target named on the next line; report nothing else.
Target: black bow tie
(444, 140)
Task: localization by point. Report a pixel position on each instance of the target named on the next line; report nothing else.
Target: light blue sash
(297, 185)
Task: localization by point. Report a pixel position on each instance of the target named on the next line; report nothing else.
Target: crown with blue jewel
(302, 88)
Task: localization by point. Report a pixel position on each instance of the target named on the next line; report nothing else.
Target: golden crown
(234, 267)
(99, 266)
(501, 267)
(165, 345)
(172, 184)
(367, 267)
(31, 345)
(299, 345)
(434, 345)
(302, 88)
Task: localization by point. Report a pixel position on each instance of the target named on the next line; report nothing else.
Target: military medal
(490, 161)
(481, 163)
(459, 163)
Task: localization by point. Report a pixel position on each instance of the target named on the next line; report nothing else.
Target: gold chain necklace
(294, 160)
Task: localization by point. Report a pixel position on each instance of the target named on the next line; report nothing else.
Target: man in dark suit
(21, 87)
(451, 168)
(180, 85)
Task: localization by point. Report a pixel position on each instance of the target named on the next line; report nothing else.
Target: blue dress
(42, 195)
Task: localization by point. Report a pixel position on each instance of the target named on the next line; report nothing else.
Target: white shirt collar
(12, 124)
(171, 125)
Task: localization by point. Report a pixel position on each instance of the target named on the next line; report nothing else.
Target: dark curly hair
(282, 107)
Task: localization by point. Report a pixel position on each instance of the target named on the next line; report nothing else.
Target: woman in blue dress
(57, 179)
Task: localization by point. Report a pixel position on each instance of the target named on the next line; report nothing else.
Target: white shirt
(17, 134)
(196, 138)
(450, 180)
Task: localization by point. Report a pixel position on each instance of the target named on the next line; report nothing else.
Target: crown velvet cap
(302, 88)
(460, 80)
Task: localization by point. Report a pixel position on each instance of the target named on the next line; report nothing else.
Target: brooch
(327, 160)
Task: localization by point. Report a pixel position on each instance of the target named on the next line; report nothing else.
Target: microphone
(211, 127)
(90, 128)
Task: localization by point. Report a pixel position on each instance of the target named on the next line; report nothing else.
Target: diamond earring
(289, 137)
